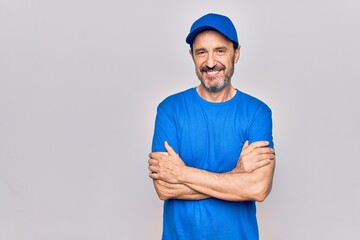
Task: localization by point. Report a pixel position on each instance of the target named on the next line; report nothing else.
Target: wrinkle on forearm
(232, 186)
(167, 191)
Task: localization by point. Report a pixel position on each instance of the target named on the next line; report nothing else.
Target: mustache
(214, 68)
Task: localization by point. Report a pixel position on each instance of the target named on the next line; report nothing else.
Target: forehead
(211, 37)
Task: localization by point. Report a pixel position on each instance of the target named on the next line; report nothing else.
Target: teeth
(212, 72)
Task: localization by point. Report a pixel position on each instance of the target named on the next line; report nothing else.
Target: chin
(216, 88)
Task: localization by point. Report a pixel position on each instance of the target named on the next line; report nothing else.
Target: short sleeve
(165, 129)
(260, 128)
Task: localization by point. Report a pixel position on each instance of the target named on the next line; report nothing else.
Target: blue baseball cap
(212, 21)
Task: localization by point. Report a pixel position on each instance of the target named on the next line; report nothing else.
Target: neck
(224, 95)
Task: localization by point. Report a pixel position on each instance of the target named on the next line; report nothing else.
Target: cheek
(198, 68)
(198, 64)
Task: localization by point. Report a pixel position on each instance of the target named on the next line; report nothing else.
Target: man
(212, 154)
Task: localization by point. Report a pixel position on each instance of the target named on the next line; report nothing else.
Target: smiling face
(214, 57)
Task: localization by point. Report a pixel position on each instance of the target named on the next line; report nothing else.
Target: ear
(237, 54)
(191, 53)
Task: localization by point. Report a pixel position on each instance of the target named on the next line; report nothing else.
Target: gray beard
(218, 88)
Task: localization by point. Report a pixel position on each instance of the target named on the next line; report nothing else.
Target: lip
(212, 73)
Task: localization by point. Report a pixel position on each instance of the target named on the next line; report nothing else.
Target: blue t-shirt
(210, 136)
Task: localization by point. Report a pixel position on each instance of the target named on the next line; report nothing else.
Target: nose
(210, 61)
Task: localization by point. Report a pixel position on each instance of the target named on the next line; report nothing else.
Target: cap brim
(190, 38)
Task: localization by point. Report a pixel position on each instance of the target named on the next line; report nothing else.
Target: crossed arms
(251, 179)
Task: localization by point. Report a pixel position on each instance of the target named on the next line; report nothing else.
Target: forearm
(167, 191)
(231, 186)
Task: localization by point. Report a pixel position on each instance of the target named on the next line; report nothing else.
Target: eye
(221, 51)
(200, 52)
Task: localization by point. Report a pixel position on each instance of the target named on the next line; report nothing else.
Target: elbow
(161, 192)
(261, 187)
(260, 193)
(260, 197)
(162, 196)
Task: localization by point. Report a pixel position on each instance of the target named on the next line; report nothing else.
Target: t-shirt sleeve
(260, 128)
(165, 129)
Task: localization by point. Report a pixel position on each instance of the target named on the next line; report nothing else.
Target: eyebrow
(216, 48)
(199, 49)
(221, 48)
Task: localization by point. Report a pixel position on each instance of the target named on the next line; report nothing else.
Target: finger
(262, 157)
(169, 149)
(153, 154)
(260, 164)
(157, 155)
(246, 144)
(153, 169)
(153, 162)
(258, 144)
(153, 175)
(264, 150)
(255, 156)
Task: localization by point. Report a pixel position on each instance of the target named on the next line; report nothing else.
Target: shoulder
(251, 103)
(177, 99)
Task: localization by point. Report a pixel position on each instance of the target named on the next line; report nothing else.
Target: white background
(80, 82)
